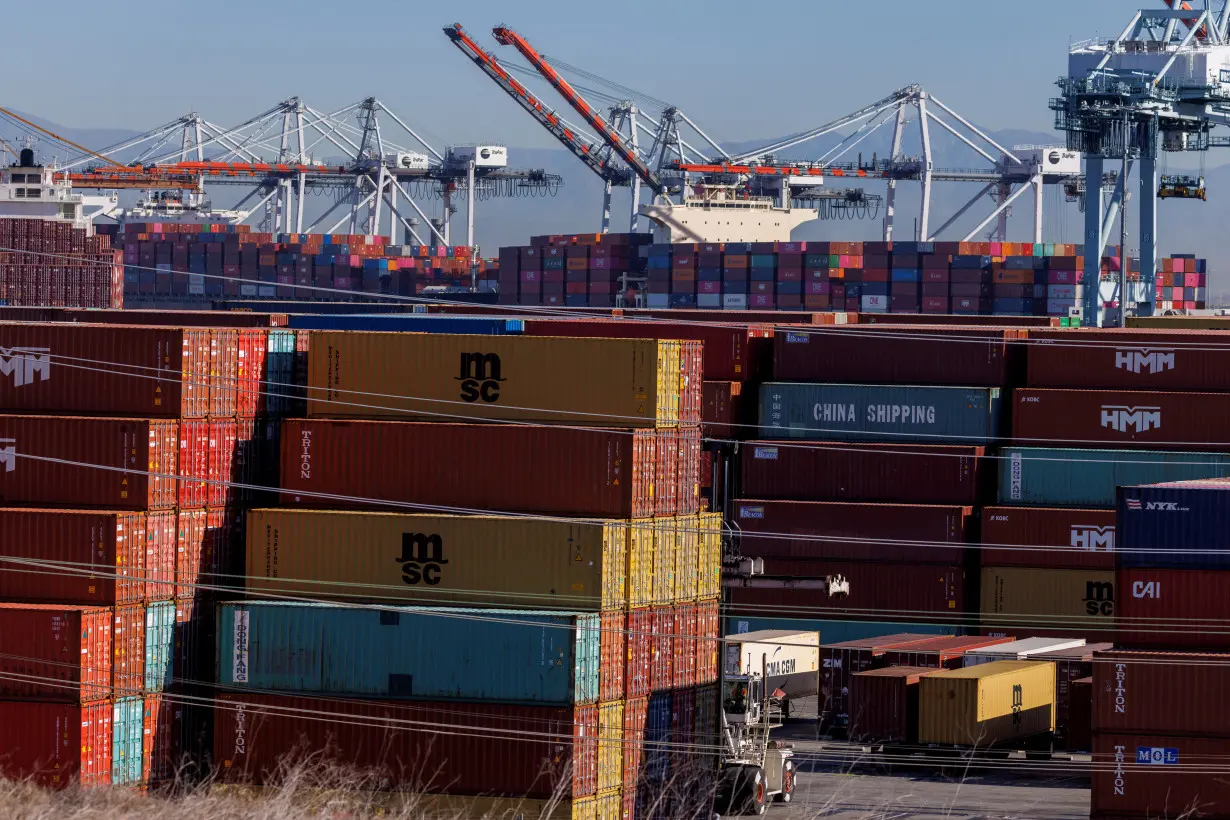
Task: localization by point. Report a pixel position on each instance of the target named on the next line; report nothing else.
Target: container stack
(583, 270)
(54, 264)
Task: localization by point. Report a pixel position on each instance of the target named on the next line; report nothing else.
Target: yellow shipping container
(665, 545)
(1063, 598)
(709, 571)
(431, 559)
(610, 745)
(687, 559)
(640, 562)
(609, 805)
(991, 703)
(442, 377)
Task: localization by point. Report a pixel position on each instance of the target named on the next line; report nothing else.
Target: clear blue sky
(743, 70)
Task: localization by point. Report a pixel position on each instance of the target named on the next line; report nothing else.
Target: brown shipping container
(884, 704)
(88, 462)
(1116, 418)
(1053, 538)
(1165, 692)
(852, 532)
(174, 318)
(1071, 664)
(474, 748)
(1114, 359)
(1078, 732)
(1027, 600)
(118, 370)
(725, 411)
(522, 562)
(486, 467)
(916, 354)
(59, 653)
(988, 704)
(1172, 608)
(441, 377)
(841, 471)
(839, 661)
(56, 745)
(947, 652)
(888, 591)
(1159, 775)
(640, 636)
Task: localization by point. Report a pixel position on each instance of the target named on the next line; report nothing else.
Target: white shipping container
(791, 660)
(1019, 650)
(709, 300)
(658, 301)
(874, 304)
(734, 301)
(1061, 291)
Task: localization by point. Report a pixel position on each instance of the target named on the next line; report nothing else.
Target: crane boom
(588, 153)
(506, 36)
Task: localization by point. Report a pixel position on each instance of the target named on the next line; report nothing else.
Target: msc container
(1178, 693)
(412, 653)
(127, 741)
(1025, 649)
(852, 532)
(939, 653)
(1176, 421)
(988, 704)
(1052, 537)
(527, 563)
(596, 382)
(879, 413)
(1113, 359)
(1043, 477)
(58, 653)
(487, 467)
(915, 354)
(884, 704)
(158, 372)
(840, 661)
(56, 745)
(1173, 608)
(1040, 600)
(789, 660)
(903, 473)
(1158, 775)
(1182, 525)
(476, 748)
(159, 645)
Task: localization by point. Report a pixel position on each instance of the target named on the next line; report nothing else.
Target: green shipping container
(127, 741)
(159, 645)
(1044, 477)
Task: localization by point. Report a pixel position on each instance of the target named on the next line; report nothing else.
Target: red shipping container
(223, 441)
(640, 637)
(194, 489)
(723, 410)
(945, 652)
(708, 641)
(1106, 418)
(1051, 538)
(159, 758)
(108, 370)
(53, 652)
(253, 345)
(893, 588)
(128, 650)
(161, 533)
(1161, 692)
(1138, 359)
(635, 717)
(839, 531)
(883, 704)
(56, 745)
(1071, 665)
(662, 648)
(613, 646)
(666, 472)
(253, 734)
(224, 371)
(839, 662)
(684, 651)
(688, 471)
(1159, 775)
(841, 471)
(1172, 608)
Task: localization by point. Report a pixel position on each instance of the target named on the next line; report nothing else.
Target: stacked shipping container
(57, 265)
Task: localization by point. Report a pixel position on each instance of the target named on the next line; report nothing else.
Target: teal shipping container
(1045, 477)
(281, 399)
(127, 741)
(159, 645)
(880, 413)
(833, 631)
(428, 653)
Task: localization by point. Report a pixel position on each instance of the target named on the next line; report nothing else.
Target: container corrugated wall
(1153, 535)
(78, 737)
(1030, 600)
(50, 652)
(128, 741)
(159, 645)
(987, 704)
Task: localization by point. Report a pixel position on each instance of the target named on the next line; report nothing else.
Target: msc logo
(480, 377)
(1018, 705)
(8, 454)
(1099, 598)
(1147, 589)
(24, 363)
(422, 557)
(1131, 419)
(1092, 539)
(1144, 359)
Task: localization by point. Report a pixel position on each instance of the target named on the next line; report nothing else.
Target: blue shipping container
(857, 412)
(833, 631)
(1054, 477)
(407, 323)
(1180, 526)
(410, 652)
(658, 751)
(159, 645)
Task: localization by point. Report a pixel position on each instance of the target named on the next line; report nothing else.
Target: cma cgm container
(472, 749)
(413, 653)
(1113, 359)
(884, 704)
(1044, 477)
(597, 382)
(117, 370)
(56, 745)
(899, 355)
(880, 413)
(121, 464)
(909, 533)
(987, 704)
(789, 660)
(58, 653)
(606, 473)
(1161, 692)
(1052, 537)
(840, 471)
(1159, 775)
(1183, 525)
(1179, 608)
(1175, 421)
(1031, 600)
(525, 562)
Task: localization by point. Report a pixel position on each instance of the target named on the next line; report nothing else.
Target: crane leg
(1093, 240)
(1148, 235)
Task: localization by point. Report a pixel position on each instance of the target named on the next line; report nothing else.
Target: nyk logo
(24, 363)
(422, 558)
(1131, 419)
(1099, 598)
(8, 454)
(1144, 359)
(480, 377)
(1135, 504)
(1092, 539)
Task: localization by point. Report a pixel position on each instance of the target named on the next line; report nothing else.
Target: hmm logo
(1147, 589)
(1131, 419)
(1144, 359)
(8, 454)
(1100, 598)
(480, 377)
(422, 558)
(1018, 705)
(24, 363)
(1092, 539)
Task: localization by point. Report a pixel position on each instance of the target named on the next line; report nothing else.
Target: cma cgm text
(877, 413)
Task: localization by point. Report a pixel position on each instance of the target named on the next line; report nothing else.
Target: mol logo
(1144, 359)
(24, 363)
(480, 377)
(1092, 539)
(1131, 419)
(422, 558)
(1099, 598)
(8, 454)
(1147, 589)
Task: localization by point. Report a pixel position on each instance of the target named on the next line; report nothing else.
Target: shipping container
(409, 323)
(160, 626)
(127, 741)
(485, 467)
(639, 654)
(452, 806)
(1173, 608)
(1174, 421)
(1048, 601)
(128, 649)
(254, 733)
(884, 704)
(1070, 665)
(917, 354)
(1077, 731)
(1052, 537)
(1044, 477)
(1181, 526)
(56, 745)
(839, 661)
(1177, 693)
(55, 653)
(905, 473)
(1024, 649)
(388, 558)
(1113, 359)
(987, 705)
(419, 653)
(879, 413)
(597, 382)
(726, 412)
(852, 532)
(790, 661)
(891, 591)
(612, 655)
(1159, 775)
(939, 653)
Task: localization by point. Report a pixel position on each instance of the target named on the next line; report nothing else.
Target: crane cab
(1182, 187)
